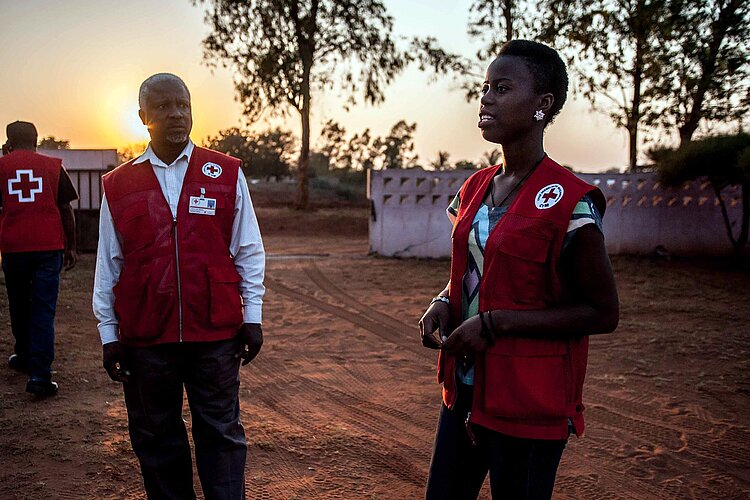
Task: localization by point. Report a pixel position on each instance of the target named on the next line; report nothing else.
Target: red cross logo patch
(211, 170)
(25, 186)
(548, 196)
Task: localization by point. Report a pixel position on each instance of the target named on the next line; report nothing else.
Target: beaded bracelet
(440, 298)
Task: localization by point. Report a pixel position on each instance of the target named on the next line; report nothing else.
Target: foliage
(614, 47)
(492, 23)
(724, 159)
(396, 150)
(491, 158)
(266, 154)
(131, 151)
(283, 51)
(51, 143)
(442, 161)
(362, 152)
(705, 65)
(466, 165)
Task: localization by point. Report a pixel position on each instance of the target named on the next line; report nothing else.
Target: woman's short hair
(546, 67)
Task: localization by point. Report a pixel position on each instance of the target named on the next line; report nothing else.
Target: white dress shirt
(246, 246)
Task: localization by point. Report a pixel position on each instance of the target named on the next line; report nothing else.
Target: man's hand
(466, 340)
(114, 362)
(70, 258)
(435, 318)
(251, 335)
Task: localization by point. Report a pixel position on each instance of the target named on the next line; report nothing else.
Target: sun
(117, 116)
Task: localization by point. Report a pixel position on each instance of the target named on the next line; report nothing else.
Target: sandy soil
(342, 402)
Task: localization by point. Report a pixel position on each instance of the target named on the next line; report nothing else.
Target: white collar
(150, 156)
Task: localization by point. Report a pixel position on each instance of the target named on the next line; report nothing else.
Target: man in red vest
(178, 293)
(37, 236)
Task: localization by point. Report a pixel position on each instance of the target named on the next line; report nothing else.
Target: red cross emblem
(211, 170)
(548, 196)
(25, 186)
(551, 194)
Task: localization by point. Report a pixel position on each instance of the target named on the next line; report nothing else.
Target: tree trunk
(508, 15)
(708, 68)
(739, 246)
(635, 112)
(302, 201)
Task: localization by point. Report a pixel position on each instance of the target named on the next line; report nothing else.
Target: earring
(539, 115)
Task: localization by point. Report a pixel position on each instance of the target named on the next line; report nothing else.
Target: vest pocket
(523, 265)
(136, 227)
(139, 310)
(530, 385)
(225, 305)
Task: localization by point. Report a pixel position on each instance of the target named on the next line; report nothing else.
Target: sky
(73, 68)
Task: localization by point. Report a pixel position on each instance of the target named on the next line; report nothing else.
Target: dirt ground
(342, 401)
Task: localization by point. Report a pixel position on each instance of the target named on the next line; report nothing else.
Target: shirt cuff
(108, 333)
(252, 313)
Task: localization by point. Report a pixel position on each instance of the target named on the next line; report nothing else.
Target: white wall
(408, 214)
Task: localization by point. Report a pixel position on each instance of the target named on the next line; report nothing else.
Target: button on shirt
(246, 246)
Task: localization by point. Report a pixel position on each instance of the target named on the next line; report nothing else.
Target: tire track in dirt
(374, 441)
(324, 283)
(373, 326)
(712, 452)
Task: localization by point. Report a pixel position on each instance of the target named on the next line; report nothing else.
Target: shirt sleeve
(584, 213)
(246, 247)
(65, 190)
(452, 210)
(109, 261)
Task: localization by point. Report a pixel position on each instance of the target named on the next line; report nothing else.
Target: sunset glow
(75, 68)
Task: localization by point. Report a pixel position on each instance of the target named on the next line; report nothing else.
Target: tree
(614, 47)
(333, 144)
(267, 154)
(51, 143)
(491, 158)
(360, 151)
(396, 150)
(131, 151)
(442, 162)
(283, 51)
(725, 160)
(465, 165)
(705, 65)
(492, 23)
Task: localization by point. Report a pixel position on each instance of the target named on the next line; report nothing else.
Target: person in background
(178, 292)
(530, 280)
(37, 238)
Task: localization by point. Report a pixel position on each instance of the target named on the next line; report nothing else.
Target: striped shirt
(484, 222)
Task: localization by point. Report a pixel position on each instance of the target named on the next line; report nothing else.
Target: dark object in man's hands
(114, 362)
(251, 335)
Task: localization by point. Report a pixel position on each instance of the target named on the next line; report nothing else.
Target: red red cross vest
(178, 281)
(522, 387)
(30, 220)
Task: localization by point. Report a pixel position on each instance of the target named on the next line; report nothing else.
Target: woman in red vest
(530, 280)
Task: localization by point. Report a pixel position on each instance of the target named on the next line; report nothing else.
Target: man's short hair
(21, 134)
(153, 79)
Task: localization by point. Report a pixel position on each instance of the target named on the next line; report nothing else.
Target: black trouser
(32, 280)
(209, 372)
(519, 468)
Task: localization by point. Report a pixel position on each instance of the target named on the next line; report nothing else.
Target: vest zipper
(179, 286)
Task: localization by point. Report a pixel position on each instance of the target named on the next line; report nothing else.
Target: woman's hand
(436, 317)
(466, 340)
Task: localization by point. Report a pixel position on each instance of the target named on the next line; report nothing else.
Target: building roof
(84, 159)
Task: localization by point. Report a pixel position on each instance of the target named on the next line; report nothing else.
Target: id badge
(202, 206)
